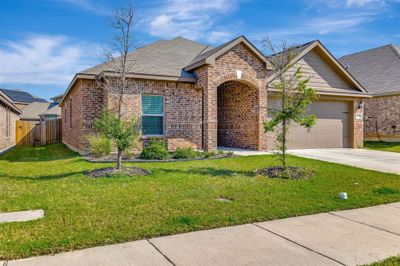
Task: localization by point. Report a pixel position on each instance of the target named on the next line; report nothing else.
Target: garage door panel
(330, 131)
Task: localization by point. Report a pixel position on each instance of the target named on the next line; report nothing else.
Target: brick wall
(7, 141)
(382, 118)
(182, 109)
(79, 109)
(210, 78)
(237, 115)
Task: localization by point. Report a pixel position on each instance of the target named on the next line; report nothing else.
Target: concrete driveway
(369, 159)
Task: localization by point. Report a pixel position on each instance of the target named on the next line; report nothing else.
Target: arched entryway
(237, 115)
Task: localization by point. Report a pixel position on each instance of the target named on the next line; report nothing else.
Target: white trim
(339, 94)
(133, 75)
(393, 93)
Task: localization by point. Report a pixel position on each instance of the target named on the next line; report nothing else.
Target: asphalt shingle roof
(53, 109)
(378, 69)
(33, 110)
(164, 58)
(22, 96)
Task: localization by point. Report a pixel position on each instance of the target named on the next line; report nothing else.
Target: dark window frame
(162, 115)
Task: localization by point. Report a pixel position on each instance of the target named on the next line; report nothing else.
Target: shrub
(99, 145)
(185, 153)
(155, 150)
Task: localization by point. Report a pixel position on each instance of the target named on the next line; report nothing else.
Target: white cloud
(192, 19)
(43, 59)
(361, 3)
(89, 5)
(338, 23)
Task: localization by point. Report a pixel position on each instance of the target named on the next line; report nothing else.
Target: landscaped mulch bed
(110, 171)
(113, 158)
(279, 172)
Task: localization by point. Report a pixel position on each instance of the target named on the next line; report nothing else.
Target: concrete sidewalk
(349, 237)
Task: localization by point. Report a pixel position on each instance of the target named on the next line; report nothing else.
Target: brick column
(262, 109)
(358, 119)
(210, 118)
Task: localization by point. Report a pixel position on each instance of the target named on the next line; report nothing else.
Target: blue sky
(43, 43)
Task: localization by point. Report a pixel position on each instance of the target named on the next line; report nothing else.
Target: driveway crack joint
(296, 243)
(354, 221)
(159, 251)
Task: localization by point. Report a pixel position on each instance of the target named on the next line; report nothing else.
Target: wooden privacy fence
(38, 133)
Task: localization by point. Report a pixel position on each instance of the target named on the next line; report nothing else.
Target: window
(8, 122)
(152, 115)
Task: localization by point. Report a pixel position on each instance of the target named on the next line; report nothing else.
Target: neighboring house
(9, 114)
(53, 112)
(201, 96)
(38, 111)
(21, 99)
(378, 70)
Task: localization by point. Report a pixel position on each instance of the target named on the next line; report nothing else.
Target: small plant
(129, 154)
(230, 154)
(155, 150)
(185, 153)
(208, 154)
(99, 145)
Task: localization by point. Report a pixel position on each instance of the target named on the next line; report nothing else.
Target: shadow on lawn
(209, 171)
(51, 152)
(42, 177)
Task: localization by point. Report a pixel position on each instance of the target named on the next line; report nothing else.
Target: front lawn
(382, 146)
(392, 261)
(177, 197)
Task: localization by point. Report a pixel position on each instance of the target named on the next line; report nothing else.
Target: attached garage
(332, 129)
(339, 109)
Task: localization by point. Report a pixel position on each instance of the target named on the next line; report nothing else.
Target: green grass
(382, 146)
(392, 261)
(177, 197)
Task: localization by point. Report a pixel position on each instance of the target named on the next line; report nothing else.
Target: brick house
(9, 114)
(201, 96)
(378, 70)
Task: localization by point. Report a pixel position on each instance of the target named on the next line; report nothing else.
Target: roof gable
(209, 56)
(328, 58)
(377, 69)
(4, 99)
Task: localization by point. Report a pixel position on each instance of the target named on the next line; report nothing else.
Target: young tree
(293, 96)
(124, 132)
(115, 123)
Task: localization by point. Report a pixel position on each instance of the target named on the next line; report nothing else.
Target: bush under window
(155, 150)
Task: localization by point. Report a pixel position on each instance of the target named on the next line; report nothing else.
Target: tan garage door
(330, 131)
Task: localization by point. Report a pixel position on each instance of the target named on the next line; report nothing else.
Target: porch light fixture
(238, 74)
(360, 105)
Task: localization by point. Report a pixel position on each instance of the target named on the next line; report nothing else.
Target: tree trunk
(119, 159)
(284, 133)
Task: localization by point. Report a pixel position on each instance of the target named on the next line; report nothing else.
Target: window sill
(152, 136)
